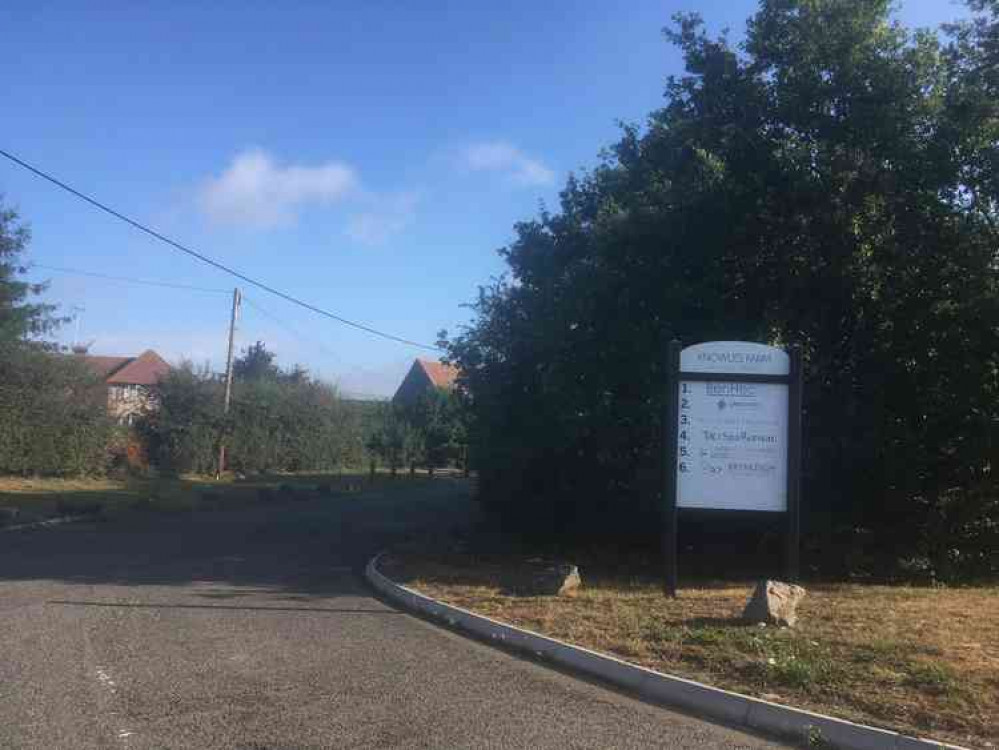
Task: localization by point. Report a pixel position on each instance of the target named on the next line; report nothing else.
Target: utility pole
(228, 379)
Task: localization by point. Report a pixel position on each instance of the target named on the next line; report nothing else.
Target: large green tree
(829, 182)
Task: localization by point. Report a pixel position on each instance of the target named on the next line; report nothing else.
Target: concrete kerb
(704, 700)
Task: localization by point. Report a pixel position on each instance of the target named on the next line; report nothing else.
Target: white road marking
(104, 677)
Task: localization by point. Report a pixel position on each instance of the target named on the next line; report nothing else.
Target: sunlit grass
(919, 660)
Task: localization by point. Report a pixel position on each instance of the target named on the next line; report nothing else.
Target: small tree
(255, 363)
(437, 417)
(395, 441)
(182, 434)
(20, 320)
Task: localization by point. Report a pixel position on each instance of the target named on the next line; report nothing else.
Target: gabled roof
(423, 376)
(146, 369)
(440, 374)
(103, 367)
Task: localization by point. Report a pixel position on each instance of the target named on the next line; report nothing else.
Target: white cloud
(500, 156)
(382, 222)
(257, 191)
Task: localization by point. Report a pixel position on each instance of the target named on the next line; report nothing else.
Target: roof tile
(440, 374)
(146, 369)
(104, 367)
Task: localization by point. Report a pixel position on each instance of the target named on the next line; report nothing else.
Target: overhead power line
(289, 328)
(205, 259)
(312, 342)
(130, 280)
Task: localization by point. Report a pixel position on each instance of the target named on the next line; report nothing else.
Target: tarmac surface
(252, 629)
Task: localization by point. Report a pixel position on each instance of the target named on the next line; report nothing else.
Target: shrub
(283, 423)
(54, 415)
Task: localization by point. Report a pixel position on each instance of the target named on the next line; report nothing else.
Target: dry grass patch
(922, 661)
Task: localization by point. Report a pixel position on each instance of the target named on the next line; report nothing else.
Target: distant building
(131, 382)
(423, 376)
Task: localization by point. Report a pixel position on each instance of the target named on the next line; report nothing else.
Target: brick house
(422, 376)
(131, 382)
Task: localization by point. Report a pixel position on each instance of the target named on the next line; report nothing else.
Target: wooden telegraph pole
(236, 297)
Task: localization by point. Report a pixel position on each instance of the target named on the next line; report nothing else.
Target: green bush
(275, 424)
(292, 425)
(182, 434)
(54, 415)
(431, 431)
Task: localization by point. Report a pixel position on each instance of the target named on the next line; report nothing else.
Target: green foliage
(256, 363)
(431, 431)
(54, 415)
(183, 433)
(832, 183)
(19, 319)
(394, 440)
(932, 677)
(438, 419)
(292, 425)
(278, 421)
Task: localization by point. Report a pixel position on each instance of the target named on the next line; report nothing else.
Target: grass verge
(26, 500)
(922, 661)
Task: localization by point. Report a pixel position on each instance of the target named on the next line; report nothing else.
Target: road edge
(703, 700)
(57, 521)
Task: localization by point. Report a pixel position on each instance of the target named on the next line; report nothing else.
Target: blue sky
(367, 157)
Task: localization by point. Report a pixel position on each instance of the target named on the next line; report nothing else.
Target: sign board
(732, 435)
(733, 357)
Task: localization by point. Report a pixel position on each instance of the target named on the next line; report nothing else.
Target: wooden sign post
(732, 437)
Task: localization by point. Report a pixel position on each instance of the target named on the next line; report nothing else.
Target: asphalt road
(253, 630)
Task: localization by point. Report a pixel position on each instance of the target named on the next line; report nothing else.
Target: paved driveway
(252, 629)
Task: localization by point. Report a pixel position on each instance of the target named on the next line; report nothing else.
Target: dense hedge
(275, 423)
(293, 426)
(53, 415)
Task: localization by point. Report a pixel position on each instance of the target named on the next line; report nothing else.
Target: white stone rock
(774, 603)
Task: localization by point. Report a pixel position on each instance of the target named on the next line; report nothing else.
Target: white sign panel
(732, 436)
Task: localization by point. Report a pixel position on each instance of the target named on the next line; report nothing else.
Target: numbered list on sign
(732, 446)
